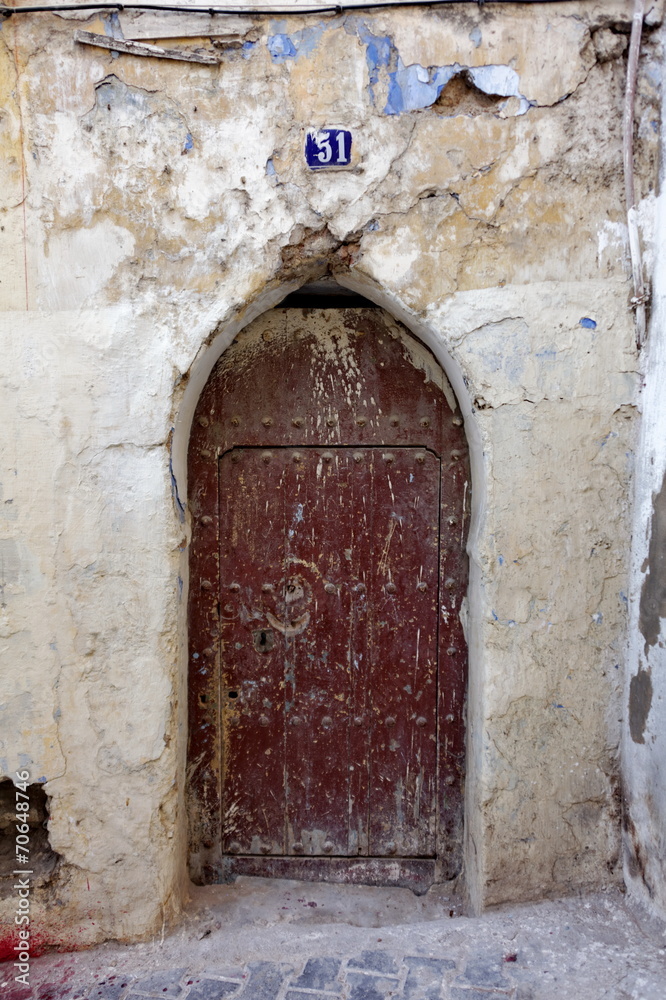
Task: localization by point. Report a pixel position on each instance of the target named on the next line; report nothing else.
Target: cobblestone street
(261, 940)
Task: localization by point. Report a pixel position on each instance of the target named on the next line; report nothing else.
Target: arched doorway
(329, 488)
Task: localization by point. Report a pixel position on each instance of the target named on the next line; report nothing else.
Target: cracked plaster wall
(151, 208)
(644, 742)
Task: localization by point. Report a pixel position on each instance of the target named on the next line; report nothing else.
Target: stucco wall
(644, 744)
(150, 209)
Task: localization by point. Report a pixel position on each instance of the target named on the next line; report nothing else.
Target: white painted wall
(644, 738)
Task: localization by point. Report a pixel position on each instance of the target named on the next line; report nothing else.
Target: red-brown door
(329, 578)
(327, 573)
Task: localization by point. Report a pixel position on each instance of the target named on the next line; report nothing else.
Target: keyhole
(263, 639)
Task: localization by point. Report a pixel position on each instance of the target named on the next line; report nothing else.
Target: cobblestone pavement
(244, 948)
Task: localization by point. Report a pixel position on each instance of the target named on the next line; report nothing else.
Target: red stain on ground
(38, 945)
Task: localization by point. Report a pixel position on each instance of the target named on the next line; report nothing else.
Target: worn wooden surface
(133, 48)
(328, 481)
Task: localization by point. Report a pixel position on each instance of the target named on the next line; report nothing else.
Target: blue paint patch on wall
(270, 167)
(414, 87)
(377, 54)
(112, 26)
(501, 560)
(508, 622)
(248, 48)
(281, 47)
(188, 144)
(604, 441)
(174, 490)
(587, 323)
(113, 29)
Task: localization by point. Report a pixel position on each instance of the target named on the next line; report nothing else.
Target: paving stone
(364, 987)
(526, 992)
(319, 974)
(211, 989)
(165, 983)
(374, 961)
(470, 993)
(486, 971)
(226, 972)
(296, 995)
(424, 979)
(265, 980)
(109, 989)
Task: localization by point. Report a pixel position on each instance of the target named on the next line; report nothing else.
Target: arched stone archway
(361, 385)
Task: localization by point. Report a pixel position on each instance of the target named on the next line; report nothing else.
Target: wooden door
(327, 657)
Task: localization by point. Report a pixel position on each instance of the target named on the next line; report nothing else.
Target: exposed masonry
(43, 860)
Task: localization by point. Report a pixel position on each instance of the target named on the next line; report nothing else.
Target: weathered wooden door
(328, 478)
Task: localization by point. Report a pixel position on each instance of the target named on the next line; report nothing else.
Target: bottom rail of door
(417, 874)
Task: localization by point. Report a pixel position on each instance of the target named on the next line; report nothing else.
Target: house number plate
(328, 147)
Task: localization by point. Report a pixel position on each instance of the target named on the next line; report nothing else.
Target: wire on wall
(294, 8)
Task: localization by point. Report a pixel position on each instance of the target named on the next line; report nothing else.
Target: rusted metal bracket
(143, 49)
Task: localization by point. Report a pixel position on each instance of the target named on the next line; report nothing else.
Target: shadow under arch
(435, 341)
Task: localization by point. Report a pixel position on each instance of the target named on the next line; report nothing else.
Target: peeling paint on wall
(640, 702)
(653, 593)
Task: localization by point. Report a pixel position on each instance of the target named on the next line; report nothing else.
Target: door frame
(435, 337)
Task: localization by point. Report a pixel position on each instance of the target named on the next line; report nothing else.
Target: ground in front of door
(275, 940)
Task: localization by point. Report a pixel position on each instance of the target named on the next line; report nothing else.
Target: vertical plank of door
(403, 671)
(251, 690)
(453, 660)
(359, 648)
(317, 667)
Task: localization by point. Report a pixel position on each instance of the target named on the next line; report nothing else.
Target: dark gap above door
(325, 294)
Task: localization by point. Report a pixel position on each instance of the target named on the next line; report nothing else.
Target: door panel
(328, 649)
(252, 541)
(403, 666)
(317, 666)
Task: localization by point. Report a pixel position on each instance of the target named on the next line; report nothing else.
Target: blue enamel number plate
(328, 147)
